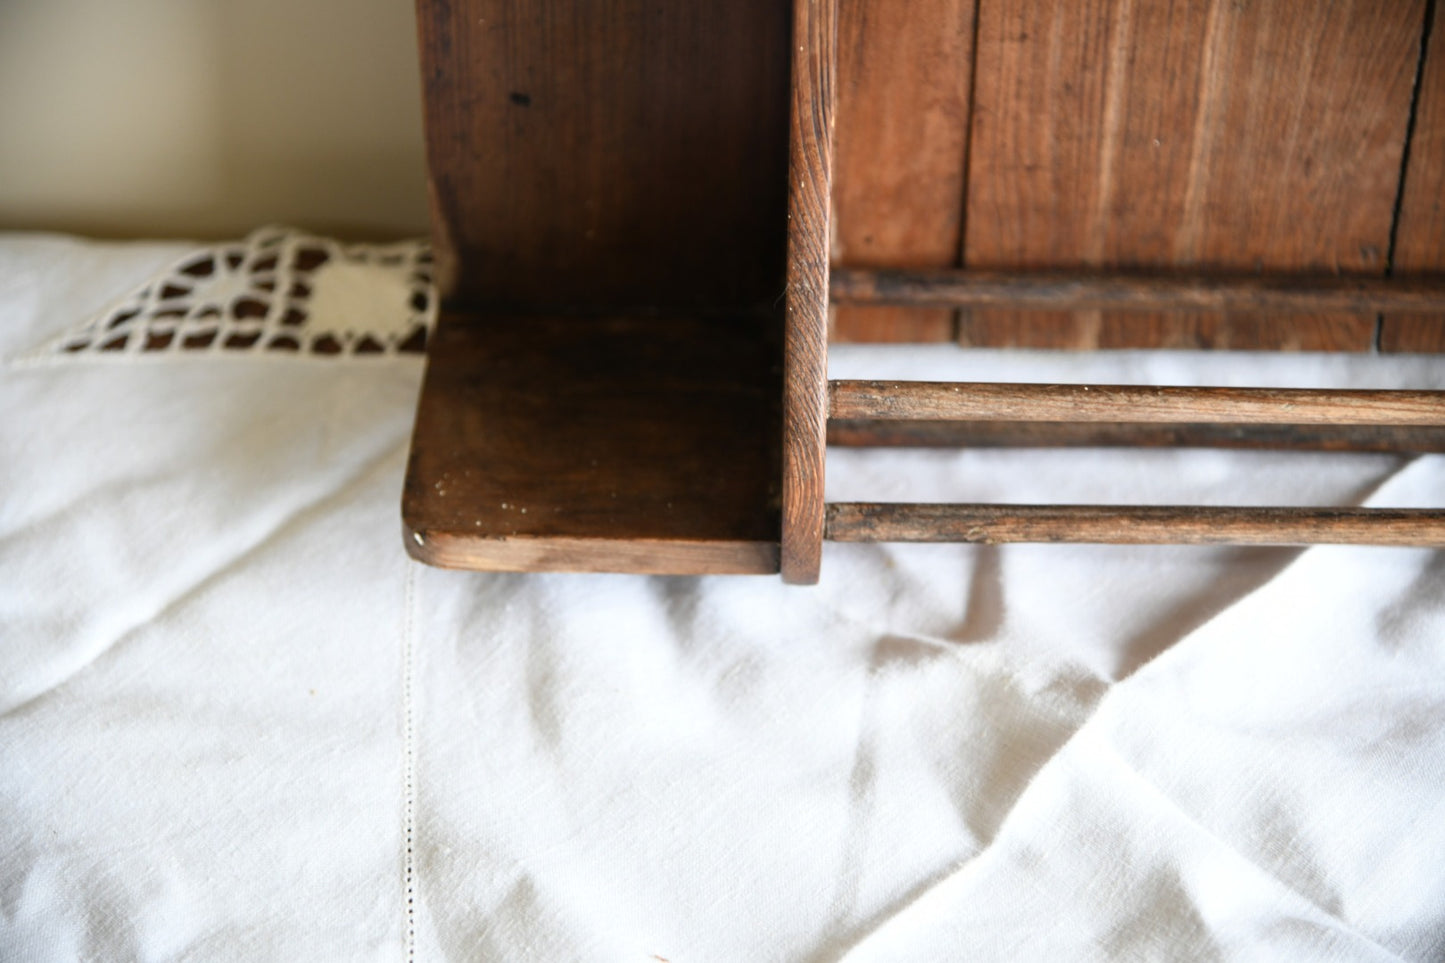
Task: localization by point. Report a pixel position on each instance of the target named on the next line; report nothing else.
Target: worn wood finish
(866, 433)
(574, 444)
(1171, 134)
(1420, 239)
(1073, 290)
(805, 334)
(904, 73)
(632, 211)
(608, 155)
(609, 195)
(563, 553)
(990, 401)
(1135, 525)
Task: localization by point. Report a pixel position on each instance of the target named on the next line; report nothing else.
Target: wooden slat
(1168, 134)
(1076, 290)
(987, 401)
(1135, 525)
(904, 71)
(1420, 241)
(608, 155)
(867, 433)
(805, 333)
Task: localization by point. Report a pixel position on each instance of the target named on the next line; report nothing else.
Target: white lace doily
(278, 292)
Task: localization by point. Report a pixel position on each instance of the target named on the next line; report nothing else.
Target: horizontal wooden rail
(1074, 290)
(1134, 524)
(986, 401)
(866, 433)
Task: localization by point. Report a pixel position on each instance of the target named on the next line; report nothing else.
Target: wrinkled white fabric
(237, 723)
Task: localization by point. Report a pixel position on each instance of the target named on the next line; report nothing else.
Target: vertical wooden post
(805, 340)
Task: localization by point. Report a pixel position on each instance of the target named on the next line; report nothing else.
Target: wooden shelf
(649, 188)
(643, 445)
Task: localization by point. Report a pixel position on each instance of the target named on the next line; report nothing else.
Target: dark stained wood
(1420, 241)
(1273, 294)
(866, 433)
(1135, 525)
(805, 333)
(611, 155)
(609, 197)
(1210, 136)
(632, 213)
(572, 444)
(904, 72)
(990, 401)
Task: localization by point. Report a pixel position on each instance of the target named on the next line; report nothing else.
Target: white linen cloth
(237, 723)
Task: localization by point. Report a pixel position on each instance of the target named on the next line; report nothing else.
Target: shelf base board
(638, 445)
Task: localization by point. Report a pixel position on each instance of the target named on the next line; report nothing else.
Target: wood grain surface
(1135, 524)
(1240, 294)
(805, 331)
(988, 401)
(1420, 239)
(904, 76)
(1168, 133)
(609, 195)
(613, 155)
(572, 444)
(886, 433)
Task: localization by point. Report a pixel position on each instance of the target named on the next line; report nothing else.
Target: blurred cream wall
(206, 118)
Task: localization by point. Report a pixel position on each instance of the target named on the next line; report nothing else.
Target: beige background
(206, 118)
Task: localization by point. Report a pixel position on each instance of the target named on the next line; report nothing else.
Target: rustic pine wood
(1420, 241)
(988, 401)
(609, 196)
(632, 209)
(805, 336)
(607, 155)
(1172, 134)
(1074, 290)
(1135, 525)
(574, 444)
(904, 75)
(869, 433)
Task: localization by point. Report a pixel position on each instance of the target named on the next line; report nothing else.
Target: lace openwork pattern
(279, 291)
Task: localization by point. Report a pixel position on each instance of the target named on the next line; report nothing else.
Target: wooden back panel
(1133, 134)
(1420, 238)
(612, 156)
